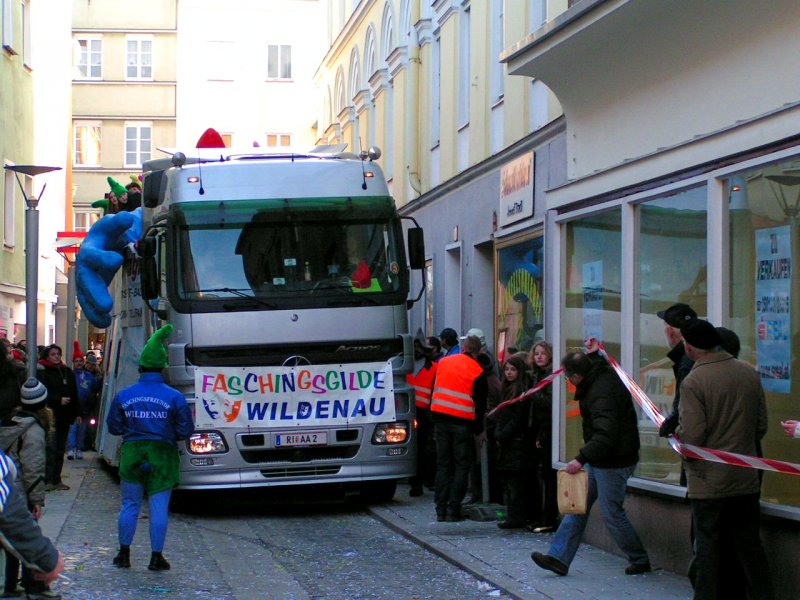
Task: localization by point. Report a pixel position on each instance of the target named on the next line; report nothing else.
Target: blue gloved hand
(99, 259)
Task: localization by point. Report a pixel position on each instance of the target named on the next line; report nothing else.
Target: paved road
(235, 546)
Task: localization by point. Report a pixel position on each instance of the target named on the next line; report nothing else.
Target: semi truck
(286, 277)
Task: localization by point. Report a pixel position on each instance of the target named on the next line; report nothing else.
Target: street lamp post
(31, 258)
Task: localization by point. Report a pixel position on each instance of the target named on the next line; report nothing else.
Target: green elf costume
(151, 417)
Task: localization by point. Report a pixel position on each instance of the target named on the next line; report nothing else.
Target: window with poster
(520, 309)
(764, 302)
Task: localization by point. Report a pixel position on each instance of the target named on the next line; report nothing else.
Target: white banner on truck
(298, 396)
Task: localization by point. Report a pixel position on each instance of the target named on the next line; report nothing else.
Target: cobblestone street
(243, 549)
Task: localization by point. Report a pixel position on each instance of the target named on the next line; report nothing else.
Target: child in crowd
(515, 436)
(541, 363)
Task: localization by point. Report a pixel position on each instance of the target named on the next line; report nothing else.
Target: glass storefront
(592, 297)
(671, 265)
(672, 268)
(520, 311)
(764, 301)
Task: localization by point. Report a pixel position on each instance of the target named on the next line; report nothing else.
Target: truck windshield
(328, 248)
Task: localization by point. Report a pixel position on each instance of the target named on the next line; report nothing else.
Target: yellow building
(123, 93)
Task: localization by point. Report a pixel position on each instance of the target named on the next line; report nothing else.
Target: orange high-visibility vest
(422, 383)
(452, 391)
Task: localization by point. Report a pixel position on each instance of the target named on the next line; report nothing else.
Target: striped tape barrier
(689, 450)
(541, 385)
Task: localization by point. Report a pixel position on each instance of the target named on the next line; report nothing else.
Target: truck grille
(300, 471)
(319, 353)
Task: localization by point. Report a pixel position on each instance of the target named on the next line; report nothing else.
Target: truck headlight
(209, 442)
(390, 433)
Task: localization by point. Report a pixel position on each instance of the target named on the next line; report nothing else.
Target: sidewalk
(58, 504)
(502, 557)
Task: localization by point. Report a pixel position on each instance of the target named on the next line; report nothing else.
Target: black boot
(123, 559)
(158, 562)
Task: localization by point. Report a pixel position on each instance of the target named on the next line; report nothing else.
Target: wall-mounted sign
(516, 190)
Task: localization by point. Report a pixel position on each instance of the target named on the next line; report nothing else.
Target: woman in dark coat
(541, 362)
(515, 436)
(62, 398)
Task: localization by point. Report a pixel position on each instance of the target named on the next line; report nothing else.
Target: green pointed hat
(101, 204)
(154, 353)
(116, 187)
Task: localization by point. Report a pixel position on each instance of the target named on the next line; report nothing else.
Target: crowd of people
(458, 384)
(719, 403)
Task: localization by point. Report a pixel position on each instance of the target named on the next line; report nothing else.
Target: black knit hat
(701, 334)
(677, 315)
(33, 392)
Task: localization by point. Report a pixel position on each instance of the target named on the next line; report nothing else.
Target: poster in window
(773, 307)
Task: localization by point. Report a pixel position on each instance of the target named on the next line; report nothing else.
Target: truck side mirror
(416, 248)
(150, 279)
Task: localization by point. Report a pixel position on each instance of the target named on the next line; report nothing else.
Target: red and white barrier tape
(689, 450)
(541, 385)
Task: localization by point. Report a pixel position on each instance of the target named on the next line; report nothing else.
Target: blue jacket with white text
(150, 410)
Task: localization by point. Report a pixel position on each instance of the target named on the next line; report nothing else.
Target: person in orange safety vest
(421, 380)
(457, 408)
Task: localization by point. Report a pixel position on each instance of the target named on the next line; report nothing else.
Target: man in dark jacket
(609, 454)
(675, 317)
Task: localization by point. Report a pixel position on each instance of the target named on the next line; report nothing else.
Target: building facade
(34, 80)
(245, 69)
(682, 185)
(467, 150)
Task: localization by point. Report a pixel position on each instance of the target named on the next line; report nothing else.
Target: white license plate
(303, 438)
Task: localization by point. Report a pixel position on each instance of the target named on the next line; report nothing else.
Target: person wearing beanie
(22, 435)
(62, 398)
(723, 407)
(151, 417)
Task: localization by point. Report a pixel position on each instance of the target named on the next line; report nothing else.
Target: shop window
(672, 268)
(520, 309)
(764, 302)
(592, 275)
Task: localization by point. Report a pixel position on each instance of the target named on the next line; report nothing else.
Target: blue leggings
(132, 495)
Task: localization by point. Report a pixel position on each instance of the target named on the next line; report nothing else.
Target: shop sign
(516, 190)
(773, 308)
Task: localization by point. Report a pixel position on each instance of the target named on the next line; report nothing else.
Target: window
(9, 209)
(279, 62)
(435, 90)
(496, 68)
(87, 144)
(463, 69)
(139, 57)
(83, 221)
(8, 26)
(429, 298)
(26, 33)
(520, 307)
(279, 140)
(220, 60)
(593, 281)
(672, 262)
(138, 143)
(762, 301)
(90, 58)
